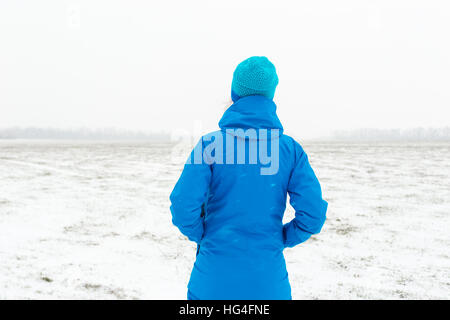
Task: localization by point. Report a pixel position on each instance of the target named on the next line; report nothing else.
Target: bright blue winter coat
(234, 213)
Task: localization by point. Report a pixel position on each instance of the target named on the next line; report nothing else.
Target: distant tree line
(414, 134)
(367, 134)
(81, 134)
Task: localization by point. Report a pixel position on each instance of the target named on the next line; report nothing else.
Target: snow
(91, 220)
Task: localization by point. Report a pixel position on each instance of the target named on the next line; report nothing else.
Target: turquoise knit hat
(254, 76)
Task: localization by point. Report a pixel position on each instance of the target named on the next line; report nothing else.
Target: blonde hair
(227, 104)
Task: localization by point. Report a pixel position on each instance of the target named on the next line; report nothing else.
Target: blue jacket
(234, 213)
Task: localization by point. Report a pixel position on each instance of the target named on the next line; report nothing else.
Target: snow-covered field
(91, 220)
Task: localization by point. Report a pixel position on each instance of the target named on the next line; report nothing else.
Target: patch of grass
(91, 286)
(345, 229)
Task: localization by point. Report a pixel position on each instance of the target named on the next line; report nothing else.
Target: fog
(165, 66)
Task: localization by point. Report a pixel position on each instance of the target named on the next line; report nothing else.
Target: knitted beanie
(254, 76)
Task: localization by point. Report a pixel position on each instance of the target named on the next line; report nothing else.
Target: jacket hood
(257, 112)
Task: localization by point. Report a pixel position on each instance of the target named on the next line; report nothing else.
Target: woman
(232, 206)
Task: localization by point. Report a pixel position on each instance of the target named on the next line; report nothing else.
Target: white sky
(165, 65)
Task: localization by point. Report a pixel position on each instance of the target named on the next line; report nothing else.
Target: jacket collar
(258, 112)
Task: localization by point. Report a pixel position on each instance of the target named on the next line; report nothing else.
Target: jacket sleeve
(189, 195)
(306, 198)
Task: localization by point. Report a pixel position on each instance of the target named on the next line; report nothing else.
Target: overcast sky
(163, 65)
